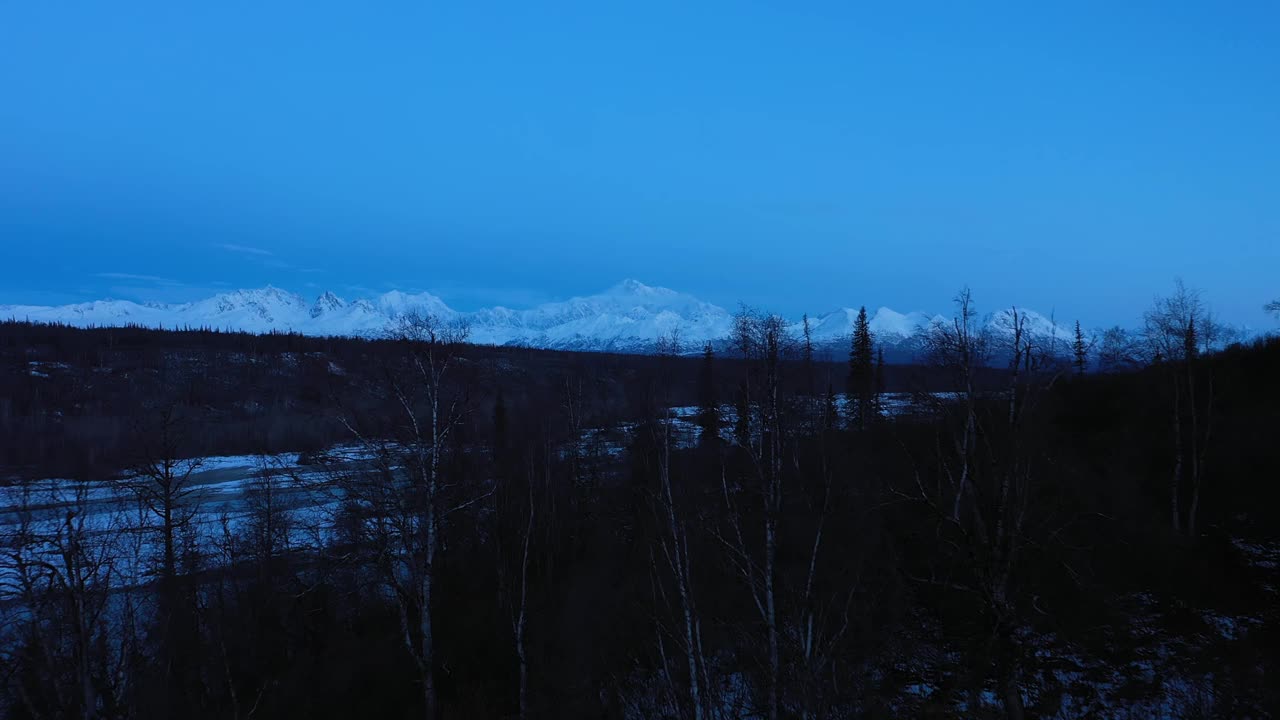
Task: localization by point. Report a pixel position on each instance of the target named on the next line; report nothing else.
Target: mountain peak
(888, 321)
(396, 303)
(326, 303)
(631, 286)
(269, 293)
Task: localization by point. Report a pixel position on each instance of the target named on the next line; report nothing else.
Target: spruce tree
(499, 429)
(861, 386)
(742, 423)
(708, 402)
(1081, 351)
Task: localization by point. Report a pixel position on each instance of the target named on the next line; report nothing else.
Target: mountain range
(628, 317)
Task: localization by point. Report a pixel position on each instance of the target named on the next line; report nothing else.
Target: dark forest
(1005, 528)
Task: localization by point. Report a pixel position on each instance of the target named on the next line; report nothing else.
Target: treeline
(1034, 541)
(71, 399)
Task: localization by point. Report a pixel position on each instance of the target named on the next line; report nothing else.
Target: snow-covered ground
(214, 504)
(217, 489)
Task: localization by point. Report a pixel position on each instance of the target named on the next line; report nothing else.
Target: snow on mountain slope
(628, 317)
(889, 324)
(1039, 326)
(395, 304)
(97, 312)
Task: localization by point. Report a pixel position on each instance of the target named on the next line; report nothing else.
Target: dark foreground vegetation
(532, 534)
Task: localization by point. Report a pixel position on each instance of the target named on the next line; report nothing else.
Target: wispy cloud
(134, 277)
(131, 276)
(142, 288)
(243, 249)
(267, 259)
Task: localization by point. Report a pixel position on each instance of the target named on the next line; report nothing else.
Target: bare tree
(673, 544)
(401, 494)
(60, 572)
(806, 355)
(822, 621)
(1178, 330)
(162, 485)
(28, 646)
(1019, 347)
(1118, 350)
(270, 521)
(984, 479)
(517, 510)
(961, 346)
(761, 340)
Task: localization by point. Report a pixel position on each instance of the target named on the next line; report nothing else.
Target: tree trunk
(1198, 473)
(771, 617)
(428, 638)
(427, 652)
(1008, 671)
(1176, 482)
(524, 676)
(427, 661)
(679, 553)
(521, 617)
(1011, 697)
(691, 649)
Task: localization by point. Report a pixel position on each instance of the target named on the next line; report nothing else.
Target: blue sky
(800, 156)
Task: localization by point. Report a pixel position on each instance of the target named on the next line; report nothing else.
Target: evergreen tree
(1081, 350)
(861, 387)
(830, 415)
(499, 428)
(742, 424)
(708, 402)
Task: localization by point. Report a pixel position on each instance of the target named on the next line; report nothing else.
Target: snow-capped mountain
(628, 317)
(890, 327)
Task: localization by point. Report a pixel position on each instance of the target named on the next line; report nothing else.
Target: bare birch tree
(673, 543)
(59, 571)
(162, 484)
(761, 341)
(1178, 330)
(961, 346)
(984, 478)
(401, 494)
